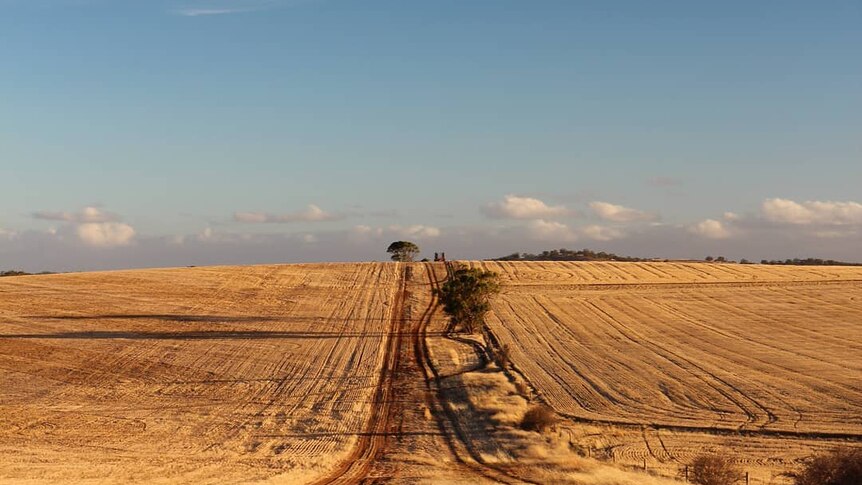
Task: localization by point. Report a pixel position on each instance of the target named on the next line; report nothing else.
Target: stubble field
(338, 373)
(204, 375)
(657, 362)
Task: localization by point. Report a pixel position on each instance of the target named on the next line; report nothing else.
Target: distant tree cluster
(20, 273)
(13, 273)
(788, 262)
(568, 255)
(809, 262)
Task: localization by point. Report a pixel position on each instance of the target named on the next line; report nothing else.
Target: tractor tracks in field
(372, 442)
(733, 393)
(387, 426)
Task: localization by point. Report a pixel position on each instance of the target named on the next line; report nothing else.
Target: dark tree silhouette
(403, 251)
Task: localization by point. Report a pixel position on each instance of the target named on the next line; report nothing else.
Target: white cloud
(105, 234)
(312, 213)
(514, 207)
(602, 233)
(812, 212)
(416, 230)
(201, 8)
(618, 213)
(363, 233)
(87, 214)
(710, 229)
(92, 225)
(207, 233)
(731, 216)
(543, 230)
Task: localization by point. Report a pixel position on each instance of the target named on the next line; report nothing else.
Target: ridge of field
(562, 275)
(205, 375)
(676, 347)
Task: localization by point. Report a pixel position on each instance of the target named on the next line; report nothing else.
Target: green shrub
(466, 297)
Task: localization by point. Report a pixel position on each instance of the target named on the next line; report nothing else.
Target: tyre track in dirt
(371, 443)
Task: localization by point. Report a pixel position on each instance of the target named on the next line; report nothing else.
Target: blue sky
(201, 132)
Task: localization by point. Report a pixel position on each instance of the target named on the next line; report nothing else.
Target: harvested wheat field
(345, 373)
(196, 375)
(655, 362)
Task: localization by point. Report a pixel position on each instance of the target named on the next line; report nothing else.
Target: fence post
(644, 464)
(746, 478)
(686, 473)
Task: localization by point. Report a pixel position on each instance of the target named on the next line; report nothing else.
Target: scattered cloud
(710, 229)
(550, 231)
(92, 225)
(618, 213)
(105, 234)
(7, 234)
(813, 212)
(362, 233)
(86, 215)
(515, 207)
(227, 7)
(312, 213)
(731, 217)
(602, 233)
(418, 231)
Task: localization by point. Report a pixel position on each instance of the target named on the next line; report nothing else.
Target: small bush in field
(840, 467)
(714, 470)
(538, 418)
(501, 355)
(466, 298)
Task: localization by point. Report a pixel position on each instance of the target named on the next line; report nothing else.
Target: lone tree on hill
(466, 297)
(403, 251)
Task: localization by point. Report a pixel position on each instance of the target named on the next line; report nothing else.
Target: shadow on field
(324, 434)
(215, 335)
(178, 317)
(173, 317)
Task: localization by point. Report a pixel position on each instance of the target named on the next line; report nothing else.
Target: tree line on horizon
(590, 255)
(569, 255)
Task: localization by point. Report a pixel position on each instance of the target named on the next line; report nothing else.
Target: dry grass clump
(714, 470)
(502, 356)
(522, 389)
(538, 418)
(840, 467)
